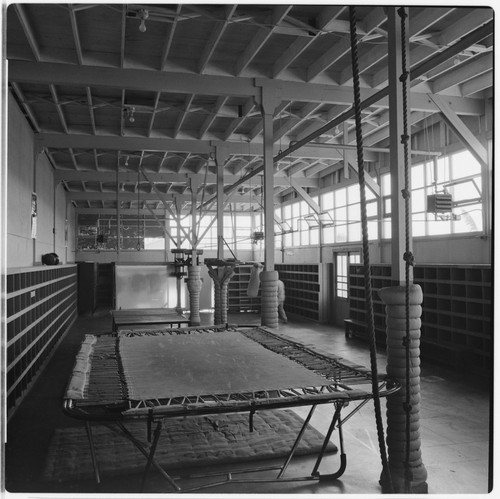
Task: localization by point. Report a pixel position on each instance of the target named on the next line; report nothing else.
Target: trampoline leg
(296, 443)
(343, 457)
(151, 454)
(92, 451)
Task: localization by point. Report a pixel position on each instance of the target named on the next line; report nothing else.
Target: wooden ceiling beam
(180, 178)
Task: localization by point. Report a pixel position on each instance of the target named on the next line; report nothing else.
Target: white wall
(26, 174)
(19, 187)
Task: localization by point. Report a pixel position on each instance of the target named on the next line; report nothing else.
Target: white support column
(269, 277)
(118, 209)
(194, 198)
(269, 102)
(396, 147)
(220, 160)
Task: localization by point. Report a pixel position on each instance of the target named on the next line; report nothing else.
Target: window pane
(372, 230)
(470, 219)
(353, 194)
(340, 215)
(464, 165)
(418, 201)
(466, 190)
(386, 229)
(314, 236)
(341, 234)
(287, 212)
(386, 184)
(354, 213)
(417, 176)
(436, 227)
(328, 235)
(372, 209)
(418, 224)
(327, 201)
(354, 230)
(341, 275)
(340, 197)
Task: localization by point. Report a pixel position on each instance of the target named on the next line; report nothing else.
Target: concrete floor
(455, 420)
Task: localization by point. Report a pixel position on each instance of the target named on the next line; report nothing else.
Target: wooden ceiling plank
(153, 114)
(343, 47)
(28, 30)
(210, 119)
(260, 38)
(215, 36)
(123, 26)
(60, 112)
(182, 115)
(464, 26)
(90, 105)
(169, 39)
(26, 106)
(76, 35)
(477, 84)
(463, 73)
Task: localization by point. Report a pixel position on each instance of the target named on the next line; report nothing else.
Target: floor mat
(185, 443)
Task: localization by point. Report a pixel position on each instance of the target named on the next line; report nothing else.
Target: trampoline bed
(157, 374)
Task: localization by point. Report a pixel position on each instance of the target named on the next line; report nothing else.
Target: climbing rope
(366, 254)
(408, 256)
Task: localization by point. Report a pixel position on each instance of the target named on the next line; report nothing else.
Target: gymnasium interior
(247, 249)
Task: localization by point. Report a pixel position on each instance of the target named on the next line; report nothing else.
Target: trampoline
(153, 375)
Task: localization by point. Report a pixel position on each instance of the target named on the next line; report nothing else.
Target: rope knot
(402, 13)
(405, 138)
(407, 407)
(404, 76)
(409, 258)
(405, 193)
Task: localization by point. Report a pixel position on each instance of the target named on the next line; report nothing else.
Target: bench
(147, 316)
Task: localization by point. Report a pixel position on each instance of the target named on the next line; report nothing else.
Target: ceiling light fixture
(211, 161)
(143, 15)
(130, 114)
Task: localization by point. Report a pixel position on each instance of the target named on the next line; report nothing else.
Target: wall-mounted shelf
(307, 289)
(41, 305)
(237, 298)
(457, 327)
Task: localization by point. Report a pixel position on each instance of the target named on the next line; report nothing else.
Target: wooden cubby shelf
(237, 298)
(457, 327)
(306, 289)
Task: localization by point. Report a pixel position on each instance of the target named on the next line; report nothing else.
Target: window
(98, 232)
(303, 221)
(342, 271)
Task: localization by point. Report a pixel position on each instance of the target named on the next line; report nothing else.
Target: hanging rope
(366, 253)
(408, 256)
(138, 247)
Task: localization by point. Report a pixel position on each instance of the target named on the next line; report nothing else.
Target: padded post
(269, 298)
(408, 475)
(221, 277)
(194, 288)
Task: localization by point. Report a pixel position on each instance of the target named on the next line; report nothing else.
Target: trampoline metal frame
(338, 393)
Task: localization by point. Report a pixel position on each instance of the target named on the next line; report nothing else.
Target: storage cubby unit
(381, 278)
(457, 328)
(41, 305)
(237, 298)
(307, 289)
